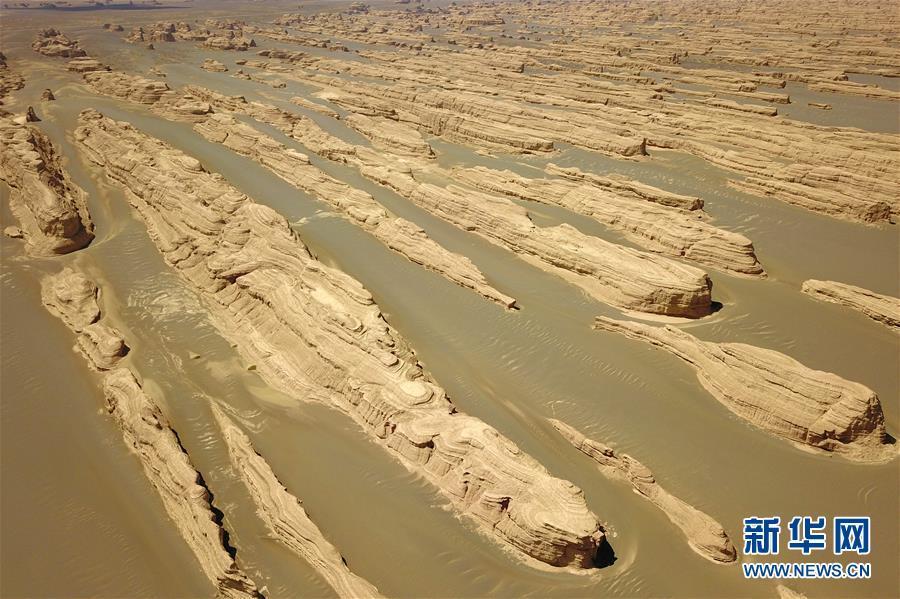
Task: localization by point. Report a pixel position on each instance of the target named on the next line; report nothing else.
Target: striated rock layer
(614, 274)
(773, 391)
(51, 209)
(73, 298)
(657, 228)
(180, 486)
(284, 515)
(705, 535)
(401, 235)
(883, 308)
(315, 333)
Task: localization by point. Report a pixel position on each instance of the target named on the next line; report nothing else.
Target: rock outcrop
(657, 228)
(399, 234)
(51, 209)
(285, 517)
(213, 66)
(316, 334)
(51, 42)
(704, 534)
(813, 409)
(883, 308)
(168, 468)
(73, 298)
(614, 274)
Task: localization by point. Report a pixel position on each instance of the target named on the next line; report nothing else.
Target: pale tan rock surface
(316, 334)
(52, 42)
(811, 408)
(399, 234)
(657, 228)
(213, 65)
(284, 515)
(704, 534)
(883, 308)
(102, 345)
(51, 209)
(187, 501)
(614, 274)
(72, 297)
(392, 136)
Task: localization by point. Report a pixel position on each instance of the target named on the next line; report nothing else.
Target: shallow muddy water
(75, 502)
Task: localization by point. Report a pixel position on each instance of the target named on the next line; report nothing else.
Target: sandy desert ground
(444, 299)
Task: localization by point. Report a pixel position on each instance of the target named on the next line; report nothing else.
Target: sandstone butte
(614, 274)
(815, 410)
(400, 235)
(883, 308)
(704, 535)
(73, 298)
(316, 334)
(51, 210)
(284, 515)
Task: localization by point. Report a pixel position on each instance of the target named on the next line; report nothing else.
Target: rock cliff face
(883, 308)
(665, 230)
(705, 535)
(316, 334)
(285, 517)
(398, 234)
(814, 409)
(179, 485)
(50, 208)
(73, 298)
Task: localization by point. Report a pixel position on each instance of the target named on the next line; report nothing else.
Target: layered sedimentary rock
(284, 515)
(73, 298)
(611, 91)
(621, 276)
(51, 42)
(316, 334)
(883, 308)
(213, 65)
(10, 80)
(169, 470)
(704, 534)
(392, 136)
(399, 234)
(811, 408)
(129, 87)
(51, 210)
(657, 228)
